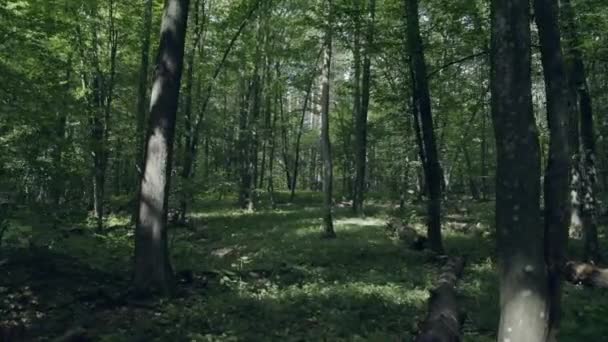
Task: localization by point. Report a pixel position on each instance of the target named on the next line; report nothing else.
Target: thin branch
(458, 61)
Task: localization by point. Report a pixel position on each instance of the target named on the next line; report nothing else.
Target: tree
(142, 90)
(521, 264)
(422, 104)
(153, 270)
(328, 226)
(557, 174)
(583, 133)
(361, 115)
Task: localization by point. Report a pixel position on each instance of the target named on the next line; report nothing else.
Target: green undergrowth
(261, 276)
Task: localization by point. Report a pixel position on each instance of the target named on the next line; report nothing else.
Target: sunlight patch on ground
(364, 222)
(393, 293)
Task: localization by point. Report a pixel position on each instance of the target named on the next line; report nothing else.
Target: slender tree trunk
(57, 155)
(142, 89)
(361, 118)
(352, 142)
(557, 174)
(469, 171)
(521, 263)
(483, 147)
(153, 272)
(432, 167)
(328, 226)
(588, 173)
(285, 144)
(271, 152)
(244, 140)
(187, 168)
(296, 162)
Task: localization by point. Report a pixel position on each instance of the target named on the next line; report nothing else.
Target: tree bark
(444, 319)
(328, 226)
(187, 168)
(352, 144)
(361, 118)
(521, 264)
(557, 174)
(580, 91)
(431, 164)
(142, 89)
(153, 272)
(296, 162)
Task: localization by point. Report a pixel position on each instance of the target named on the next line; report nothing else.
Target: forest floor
(262, 276)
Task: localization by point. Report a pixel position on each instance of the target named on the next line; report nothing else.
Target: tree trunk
(244, 149)
(521, 264)
(142, 89)
(186, 191)
(580, 91)
(432, 168)
(444, 319)
(471, 180)
(153, 272)
(557, 174)
(352, 144)
(483, 147)
(296, 162)
(328, 226)
(285, 143)
(361, 118)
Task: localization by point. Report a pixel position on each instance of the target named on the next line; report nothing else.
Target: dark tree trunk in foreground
(521, 263)
(580, 91)
(432, 169)
(153, 272)
(361, 119)
(328, 225)
(557, 174)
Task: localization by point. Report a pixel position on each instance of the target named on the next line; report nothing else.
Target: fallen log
(407, 234)
(444, 319)
(581, 273)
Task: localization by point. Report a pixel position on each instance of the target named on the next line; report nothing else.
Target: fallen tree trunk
(444, 319)
(586, 274)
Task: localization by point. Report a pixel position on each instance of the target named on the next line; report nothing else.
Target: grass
(262, 276)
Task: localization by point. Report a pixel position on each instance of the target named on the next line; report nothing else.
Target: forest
(303, 170)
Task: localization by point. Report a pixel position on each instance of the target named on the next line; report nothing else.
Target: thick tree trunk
(431, 164)
(521, 264)
(444, 319)
(361, 118)
(557, 174)
(328, 225)
(580, 91)
(153, 272)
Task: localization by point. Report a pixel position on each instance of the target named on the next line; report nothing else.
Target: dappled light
(303, 170)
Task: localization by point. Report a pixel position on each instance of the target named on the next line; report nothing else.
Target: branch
(458, 61)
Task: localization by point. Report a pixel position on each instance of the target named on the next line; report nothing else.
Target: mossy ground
(262, 276)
